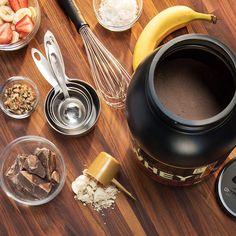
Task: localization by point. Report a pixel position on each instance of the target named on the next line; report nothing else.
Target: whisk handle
(72, 11)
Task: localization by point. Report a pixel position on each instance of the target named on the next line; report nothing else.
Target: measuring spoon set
(72, 106)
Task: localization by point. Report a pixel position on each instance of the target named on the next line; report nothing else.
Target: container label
(175, 174)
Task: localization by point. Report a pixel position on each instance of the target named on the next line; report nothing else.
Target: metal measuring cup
(88, 125)
(90, 96)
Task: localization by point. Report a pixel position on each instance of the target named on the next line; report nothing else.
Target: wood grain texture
(159, 210)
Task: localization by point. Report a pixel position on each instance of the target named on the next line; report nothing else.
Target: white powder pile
(91, 193)
(118, 12)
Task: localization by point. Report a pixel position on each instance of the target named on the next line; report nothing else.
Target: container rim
(155, 101)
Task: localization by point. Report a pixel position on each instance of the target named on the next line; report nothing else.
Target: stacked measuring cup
(72, 106)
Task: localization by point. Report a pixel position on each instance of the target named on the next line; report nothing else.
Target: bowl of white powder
(117, 15)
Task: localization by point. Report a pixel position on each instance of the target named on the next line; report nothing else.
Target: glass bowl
(27, 145)
(11, 82)
(23, 42)
(108, 23)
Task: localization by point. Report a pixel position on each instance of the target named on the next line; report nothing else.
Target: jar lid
(226, 188)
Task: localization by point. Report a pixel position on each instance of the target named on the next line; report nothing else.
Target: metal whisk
(110, 77)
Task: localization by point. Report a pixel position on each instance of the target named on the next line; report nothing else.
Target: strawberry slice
(23, 3)
(25, 25)
(22, 35)
(5, 33)
(15, 5)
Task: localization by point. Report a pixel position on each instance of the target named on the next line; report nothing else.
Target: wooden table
(159, 210)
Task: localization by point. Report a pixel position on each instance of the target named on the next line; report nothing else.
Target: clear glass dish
(28, 144)
(113, 27)
(9, 83)
(23, 42)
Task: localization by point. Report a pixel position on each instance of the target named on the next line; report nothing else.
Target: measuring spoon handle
(44, 67)
(58, 70)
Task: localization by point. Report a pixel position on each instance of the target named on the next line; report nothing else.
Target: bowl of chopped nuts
(19, 97)
(32, 170)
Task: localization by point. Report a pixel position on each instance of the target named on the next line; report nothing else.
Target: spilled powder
(91, 193)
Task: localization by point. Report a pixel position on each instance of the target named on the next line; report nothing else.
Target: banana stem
(208, 17)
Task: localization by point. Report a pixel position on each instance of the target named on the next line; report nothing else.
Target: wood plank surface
(158, 210)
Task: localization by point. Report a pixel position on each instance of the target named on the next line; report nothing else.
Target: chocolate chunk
(47, 159)
(34, 166)
(52, 162)
(46, 187)
(23, 192)
(42, 154)
(12, 170)
(21, 160)
(17, 166)
(55, 177)
(36, 186)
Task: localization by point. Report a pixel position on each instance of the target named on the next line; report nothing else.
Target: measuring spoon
(71, 110)
(104, 168)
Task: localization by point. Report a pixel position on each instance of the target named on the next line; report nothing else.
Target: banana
(15, 37)
(20, 14)
(3, 2)
(161, 25)
(33, 13)
(6, 13)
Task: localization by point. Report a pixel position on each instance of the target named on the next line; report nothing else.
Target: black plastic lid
(226, 188)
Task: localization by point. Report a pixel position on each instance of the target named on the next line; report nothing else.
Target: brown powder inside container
(194, 84)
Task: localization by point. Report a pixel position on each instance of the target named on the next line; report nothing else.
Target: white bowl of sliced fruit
(19, 22)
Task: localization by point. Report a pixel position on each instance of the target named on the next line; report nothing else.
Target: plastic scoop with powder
(91, 193)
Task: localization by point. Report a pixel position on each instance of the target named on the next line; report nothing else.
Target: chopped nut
(19, 98)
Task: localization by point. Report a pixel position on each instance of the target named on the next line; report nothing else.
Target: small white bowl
(113, 27)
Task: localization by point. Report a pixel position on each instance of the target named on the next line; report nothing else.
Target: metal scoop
(71, 110)
(104, 168)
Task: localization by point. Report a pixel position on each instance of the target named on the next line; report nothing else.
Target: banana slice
(1, 21)
(6, 13)
(3, 2)
(20, 14)
(15, 37)
(34, 13)
(13, 27)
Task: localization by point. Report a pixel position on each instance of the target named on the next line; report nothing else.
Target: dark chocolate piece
(55, 177)
(17, 166)
(47, 159)
(36, 186)
(52, 162)
(34, 166)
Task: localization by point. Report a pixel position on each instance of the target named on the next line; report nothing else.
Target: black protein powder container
(170, 147)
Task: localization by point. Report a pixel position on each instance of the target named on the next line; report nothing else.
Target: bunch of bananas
(163, 24)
